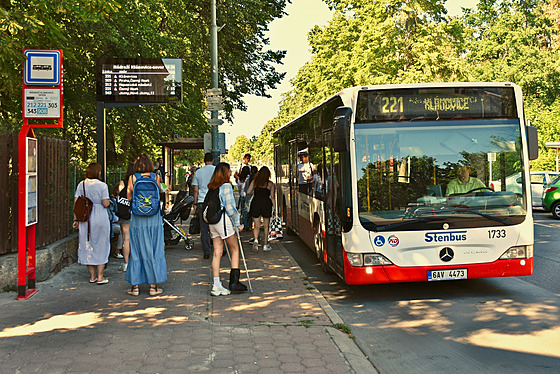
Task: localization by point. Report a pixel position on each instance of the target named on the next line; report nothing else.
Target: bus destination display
(139, 80)
(435, 104)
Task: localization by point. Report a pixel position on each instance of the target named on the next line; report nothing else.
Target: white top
(305, 172)
(201, 179)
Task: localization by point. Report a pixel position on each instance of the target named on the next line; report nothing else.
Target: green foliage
(89, 29)
(404, 41)
(513, 41)
(241, 146)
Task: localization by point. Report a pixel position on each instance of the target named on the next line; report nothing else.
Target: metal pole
(214, 56)
(101, 139)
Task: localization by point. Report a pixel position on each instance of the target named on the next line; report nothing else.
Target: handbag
(83, 207)
(194, 227)
(275, 231)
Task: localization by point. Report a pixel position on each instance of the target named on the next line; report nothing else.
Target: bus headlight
(355, 259)
(522, 251)
(368, 259)
(374, 259)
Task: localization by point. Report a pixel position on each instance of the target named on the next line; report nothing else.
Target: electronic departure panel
(139, 80)
(428, 104)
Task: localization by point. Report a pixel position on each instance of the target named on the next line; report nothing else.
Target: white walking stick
(244, 262)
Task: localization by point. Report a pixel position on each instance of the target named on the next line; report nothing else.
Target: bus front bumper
(395, 274)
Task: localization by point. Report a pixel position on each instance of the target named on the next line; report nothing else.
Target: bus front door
(293, 188)
(331, 197)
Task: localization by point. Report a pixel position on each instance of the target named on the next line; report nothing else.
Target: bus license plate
(451, 274)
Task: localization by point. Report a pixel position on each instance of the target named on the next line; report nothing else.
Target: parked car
(539, 179)
(551, 198)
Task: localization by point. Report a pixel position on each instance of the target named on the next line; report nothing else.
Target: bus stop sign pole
(42, 99)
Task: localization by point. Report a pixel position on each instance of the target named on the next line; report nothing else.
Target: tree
(514, 41)
(396, 41)
(89, 29)
(374, 42)
(241, 146)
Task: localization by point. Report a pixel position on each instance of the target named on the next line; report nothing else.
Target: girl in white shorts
(220, 232)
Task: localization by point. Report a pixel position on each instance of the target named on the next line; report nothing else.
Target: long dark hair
(262, 178)
(245, 172)
(220, 176)
(143, 164)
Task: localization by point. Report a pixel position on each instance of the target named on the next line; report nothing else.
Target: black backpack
(212, 210)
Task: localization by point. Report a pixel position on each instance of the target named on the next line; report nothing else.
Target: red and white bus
(376, 181)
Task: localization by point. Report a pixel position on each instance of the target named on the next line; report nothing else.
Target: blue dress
(147, 251)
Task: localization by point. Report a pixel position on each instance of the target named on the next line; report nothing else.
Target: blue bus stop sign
(42, 67)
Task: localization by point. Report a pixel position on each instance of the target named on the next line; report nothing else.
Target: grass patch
(306, 323)
(345, 329)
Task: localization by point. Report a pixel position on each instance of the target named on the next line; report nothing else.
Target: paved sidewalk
(72, 326)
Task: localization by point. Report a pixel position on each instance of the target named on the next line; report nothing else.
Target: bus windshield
(422, 175)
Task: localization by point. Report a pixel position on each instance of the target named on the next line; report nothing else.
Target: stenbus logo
(455, 236)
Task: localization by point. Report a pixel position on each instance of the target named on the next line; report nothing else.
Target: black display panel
(139, 80)
(427, 104)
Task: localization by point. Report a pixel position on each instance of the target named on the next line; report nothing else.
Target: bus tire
(319, 250)
(555, 209)
(289, 231)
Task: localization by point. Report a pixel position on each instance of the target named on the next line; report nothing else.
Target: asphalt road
(500, 325)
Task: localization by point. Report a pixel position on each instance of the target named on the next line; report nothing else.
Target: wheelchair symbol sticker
(379, 241)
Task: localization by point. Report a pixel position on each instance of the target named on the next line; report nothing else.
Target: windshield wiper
(468, 210)
(436, 217)
(402, 223)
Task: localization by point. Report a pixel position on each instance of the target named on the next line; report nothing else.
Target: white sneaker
(219, 291)
(267, 248)
(255, 243)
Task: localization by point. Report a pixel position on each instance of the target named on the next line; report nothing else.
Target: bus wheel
(289, 231)
(319, 250)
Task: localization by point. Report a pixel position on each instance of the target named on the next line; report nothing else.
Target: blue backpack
(145, 195)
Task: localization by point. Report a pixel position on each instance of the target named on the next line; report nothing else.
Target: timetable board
(139, 80)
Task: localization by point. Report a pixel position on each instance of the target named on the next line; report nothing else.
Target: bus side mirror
(341, 129)
(532, 142)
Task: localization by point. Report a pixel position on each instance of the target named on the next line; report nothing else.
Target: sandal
(155, 290)
(134, 291)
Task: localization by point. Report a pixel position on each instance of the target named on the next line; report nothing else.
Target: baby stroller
(181, 209)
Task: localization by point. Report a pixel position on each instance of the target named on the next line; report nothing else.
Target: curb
(356, 358)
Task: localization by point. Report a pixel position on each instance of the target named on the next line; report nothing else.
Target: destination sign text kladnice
(435, 104)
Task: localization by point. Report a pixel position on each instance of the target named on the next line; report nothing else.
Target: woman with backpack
(224, 230)
(262, 205)
(94, 233)
(147, 248)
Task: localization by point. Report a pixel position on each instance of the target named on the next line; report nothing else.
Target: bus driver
(464, 182)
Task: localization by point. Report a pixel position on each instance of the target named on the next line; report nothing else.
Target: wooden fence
(55, 194)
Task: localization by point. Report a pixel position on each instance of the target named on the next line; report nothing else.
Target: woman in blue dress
(147, 249)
